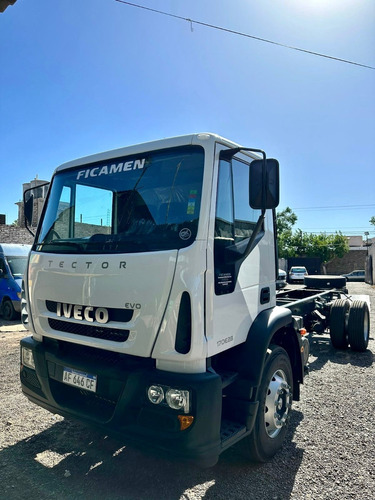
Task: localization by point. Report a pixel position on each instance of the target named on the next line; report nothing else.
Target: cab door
(238, 286)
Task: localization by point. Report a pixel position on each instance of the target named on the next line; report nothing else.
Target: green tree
(299, 244)
(372, 220)
(285, 221)
(327, 246)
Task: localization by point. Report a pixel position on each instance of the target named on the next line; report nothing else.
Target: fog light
(178, 399)
(28, 358)
(155, 394)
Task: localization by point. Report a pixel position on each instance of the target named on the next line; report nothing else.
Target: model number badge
(224, 341)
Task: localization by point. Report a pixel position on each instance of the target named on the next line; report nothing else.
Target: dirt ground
(328, 453)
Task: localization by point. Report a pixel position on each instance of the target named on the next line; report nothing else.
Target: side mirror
(264, 184)
(28, 202)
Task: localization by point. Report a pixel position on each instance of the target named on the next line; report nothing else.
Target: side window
(224, 222)
(62, 224)
(245, 216)
(2, 268)
(235, 222)
(224, 230)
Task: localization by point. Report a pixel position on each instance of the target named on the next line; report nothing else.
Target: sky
(79, 77)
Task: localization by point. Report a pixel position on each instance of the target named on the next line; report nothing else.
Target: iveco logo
(88, 313)
(185, 233)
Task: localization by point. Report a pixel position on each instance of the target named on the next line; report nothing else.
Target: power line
(342, 229)
(227, 30)
(337, 207)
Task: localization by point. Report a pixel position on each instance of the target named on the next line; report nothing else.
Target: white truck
(151, 300)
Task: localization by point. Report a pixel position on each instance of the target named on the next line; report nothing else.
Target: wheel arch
(271, 326)
(288, 339)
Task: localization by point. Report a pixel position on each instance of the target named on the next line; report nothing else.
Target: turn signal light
(302, 331)
(185, 421)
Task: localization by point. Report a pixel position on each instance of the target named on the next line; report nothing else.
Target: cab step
(231, 432)
(227, 377)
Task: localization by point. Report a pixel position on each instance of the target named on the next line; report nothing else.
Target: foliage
(285, 220)
(300, 244)
(372, 220)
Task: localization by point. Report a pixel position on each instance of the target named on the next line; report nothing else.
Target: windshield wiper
(60, 243)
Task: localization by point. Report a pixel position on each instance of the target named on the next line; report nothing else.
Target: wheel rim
(366, 326)
(278, 403)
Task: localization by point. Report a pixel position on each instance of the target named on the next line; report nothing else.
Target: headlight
(177, 399)
(28, 358)
(155, 394)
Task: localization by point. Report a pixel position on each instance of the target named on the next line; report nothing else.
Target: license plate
(82, 380)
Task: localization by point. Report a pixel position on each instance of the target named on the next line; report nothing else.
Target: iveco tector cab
(150, 297)
(13, 260)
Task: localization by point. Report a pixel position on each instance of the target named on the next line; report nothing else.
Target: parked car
(357, 275)
(13, 260)
(281, 279)
(297, 274)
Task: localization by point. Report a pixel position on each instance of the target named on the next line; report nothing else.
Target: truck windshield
(147, 202)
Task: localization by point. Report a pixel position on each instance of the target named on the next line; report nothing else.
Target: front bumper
(120, 406)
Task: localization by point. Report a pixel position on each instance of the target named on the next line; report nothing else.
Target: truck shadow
(321, 351)
(68, 461)
(15, 323)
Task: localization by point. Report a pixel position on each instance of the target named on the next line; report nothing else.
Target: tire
(359, 326)
(325, 282)
(338, 325)
(8, 310)
(275, 401)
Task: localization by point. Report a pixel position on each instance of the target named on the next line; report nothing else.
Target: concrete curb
(12, 327)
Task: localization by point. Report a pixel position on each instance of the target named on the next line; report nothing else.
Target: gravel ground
(328, 455)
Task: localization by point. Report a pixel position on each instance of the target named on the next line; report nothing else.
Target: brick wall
(354, 259)
(13, 234)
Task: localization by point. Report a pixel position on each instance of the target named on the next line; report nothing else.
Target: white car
(297, 273)
(281, 280)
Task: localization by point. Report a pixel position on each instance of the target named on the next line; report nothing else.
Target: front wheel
(275, 401)
(8, 311)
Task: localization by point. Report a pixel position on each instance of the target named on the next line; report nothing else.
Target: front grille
(87, 354)
(96, 332)
(86, 402)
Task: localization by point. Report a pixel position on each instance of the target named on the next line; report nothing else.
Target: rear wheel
(8, 310)
(359, 326)
(275, 401)
(338, 323)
